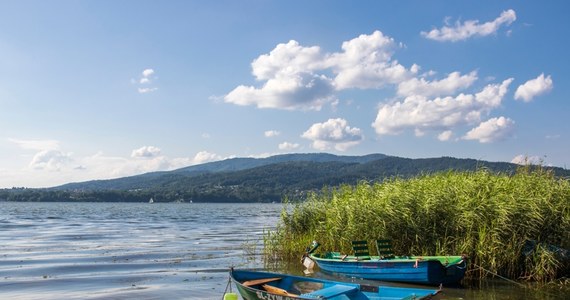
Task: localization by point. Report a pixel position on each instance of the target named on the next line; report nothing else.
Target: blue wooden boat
(254, 285)
(429, 270)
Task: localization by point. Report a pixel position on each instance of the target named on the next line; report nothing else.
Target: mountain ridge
(269, 179)
(227, 165)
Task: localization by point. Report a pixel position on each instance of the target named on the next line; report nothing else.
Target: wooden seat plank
(260, 281)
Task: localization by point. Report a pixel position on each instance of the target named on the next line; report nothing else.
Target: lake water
(150, 251)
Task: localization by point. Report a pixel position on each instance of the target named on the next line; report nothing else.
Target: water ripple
(125, 250)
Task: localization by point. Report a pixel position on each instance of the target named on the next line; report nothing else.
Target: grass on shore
(487, 216)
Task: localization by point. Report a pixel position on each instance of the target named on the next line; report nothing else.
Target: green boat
(255, 285)
(429, 270)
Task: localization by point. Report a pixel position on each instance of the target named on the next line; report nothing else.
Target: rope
(228, 285)
(495, 274)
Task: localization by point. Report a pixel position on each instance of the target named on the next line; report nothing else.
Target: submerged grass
(487, 216)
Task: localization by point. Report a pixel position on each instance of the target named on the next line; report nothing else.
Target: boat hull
(410, 270)
(315, 288)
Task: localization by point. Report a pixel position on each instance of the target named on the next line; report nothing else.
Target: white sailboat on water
(151, 200)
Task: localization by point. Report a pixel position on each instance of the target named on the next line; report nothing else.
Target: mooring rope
(495, 274)
(229, 285)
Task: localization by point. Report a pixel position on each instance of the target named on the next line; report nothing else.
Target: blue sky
(107, 89)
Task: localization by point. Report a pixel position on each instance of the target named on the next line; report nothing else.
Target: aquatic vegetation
(488, 216)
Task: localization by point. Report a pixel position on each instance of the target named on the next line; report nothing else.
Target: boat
(428, 270)
(254, 285)
(151, 200)
(562, 255)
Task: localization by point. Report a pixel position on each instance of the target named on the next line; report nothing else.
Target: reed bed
(488, 216)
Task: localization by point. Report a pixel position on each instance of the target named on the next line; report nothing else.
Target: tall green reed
(485, 215)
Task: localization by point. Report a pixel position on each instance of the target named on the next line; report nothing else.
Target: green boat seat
(360, 249)
(385, 250)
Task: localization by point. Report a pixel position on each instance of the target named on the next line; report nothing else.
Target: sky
(106, 89)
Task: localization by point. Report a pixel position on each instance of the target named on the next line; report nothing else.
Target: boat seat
(360, 249)
(384, 248)
(333, 291)
(260, 281)
(278, 291)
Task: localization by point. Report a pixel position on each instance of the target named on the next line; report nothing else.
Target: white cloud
(50, 166)
(271, 133)
(334, 133)
(302, 78)
(533, 88)
(470, 28)
(302, 91)
(147, 73)
(37, 145)
(205, 156)
(450, 85)
(527, 160)
(145, 81)
(291, 80)
(286, 60)
(420, 113)
(146, 152)
(286, 146)
(101, 166)
(50, 160)
(492, 130)
(366, 62)
(146, 90)
(445, 136)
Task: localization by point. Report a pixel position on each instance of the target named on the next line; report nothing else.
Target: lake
(151, 251)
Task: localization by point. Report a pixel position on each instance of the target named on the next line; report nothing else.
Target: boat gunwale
(451, 259)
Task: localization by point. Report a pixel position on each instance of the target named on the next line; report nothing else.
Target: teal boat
(429, 270)
(254, 285)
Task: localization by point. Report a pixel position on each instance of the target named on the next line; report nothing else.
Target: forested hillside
(254, 180)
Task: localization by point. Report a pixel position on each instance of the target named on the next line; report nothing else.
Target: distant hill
(255, 179)
(224, 166)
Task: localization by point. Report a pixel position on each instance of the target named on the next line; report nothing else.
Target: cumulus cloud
(334, 133)
(527, 160)
(48, 155)
(291, 80)
(47, 159)
(445, 136)
(145, 81)
(533, 88)
(287, 59)
(492, 130)
(205, 156)
(286, 146)
(146, 152)
(470, 28)
(271, 133)
(366, 62)
(50, 160)
(450, 85)
(101, 166)
(302, 78)
(421, 113)
(147, 73)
